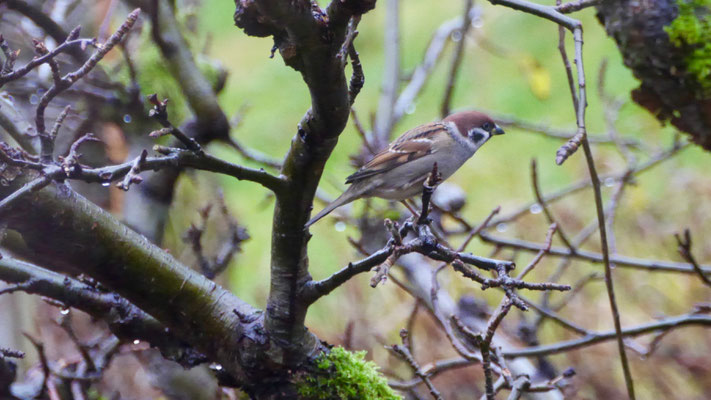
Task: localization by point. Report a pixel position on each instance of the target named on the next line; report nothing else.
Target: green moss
(692, 29)
(342, 374)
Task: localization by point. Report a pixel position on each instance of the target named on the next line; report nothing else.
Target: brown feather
(406, 148)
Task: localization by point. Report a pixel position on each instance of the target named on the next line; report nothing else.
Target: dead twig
(403, 351)
(457, 57)
(684, 248)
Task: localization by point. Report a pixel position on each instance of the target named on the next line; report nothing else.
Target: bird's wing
(413, 144)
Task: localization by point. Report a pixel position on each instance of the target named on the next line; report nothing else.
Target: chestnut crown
(474, 125)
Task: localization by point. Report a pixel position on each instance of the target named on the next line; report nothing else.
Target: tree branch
(86, 238)
(596, 338)
(618, 260)
(445, 108)
(310, 43)
(124, 319)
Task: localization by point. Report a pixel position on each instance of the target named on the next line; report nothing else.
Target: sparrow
(398, 172)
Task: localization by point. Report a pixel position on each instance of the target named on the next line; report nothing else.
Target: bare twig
(566, 63)
(457, 57)
(602, 228)
(65, 321)
(358, 77)
(521, 385)
(474, 231)
(543, 252)
(611, 211)
(5, 352)
(137, 166)
(425, 243)
(185, 158)
(655, 160)
(386, 116)
(665, 325)
(33, 185)
(565, 151)
(39, 346)
(58, 123)
(365, 135)
(611, 111)
(491, 327)
(600, 337)
(624, 261)
(684, 248)
(403, 351)
(577, 287)
(430, 185)
(544, 206)
(578, 5)
(555, 317)
(160, 113)
(606, 261)
(410, 326)
(558, 133)
(505, 282)
(423, 71)
(483, 340)
(46, 141)
(24, 70)
(433, 369)
(10, 57)
(253, 155)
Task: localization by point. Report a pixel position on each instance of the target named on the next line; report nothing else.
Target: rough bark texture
(668, 89)
(309, 40)
(261, 352)
(63, 231)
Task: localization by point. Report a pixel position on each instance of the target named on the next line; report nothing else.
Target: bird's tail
(343, 199)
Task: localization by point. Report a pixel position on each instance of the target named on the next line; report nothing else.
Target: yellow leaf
(539, 80)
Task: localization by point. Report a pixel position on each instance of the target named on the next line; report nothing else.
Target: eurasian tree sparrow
(399, 172)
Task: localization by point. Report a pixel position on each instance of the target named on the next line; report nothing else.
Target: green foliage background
(525, 79)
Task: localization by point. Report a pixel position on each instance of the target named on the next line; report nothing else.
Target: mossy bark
(670, 88)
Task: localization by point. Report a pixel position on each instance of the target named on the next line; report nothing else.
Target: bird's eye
(487, 126)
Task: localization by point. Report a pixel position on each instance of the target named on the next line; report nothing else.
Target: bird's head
(475, 126)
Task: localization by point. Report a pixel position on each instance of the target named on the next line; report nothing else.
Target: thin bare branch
(64, 47)
(457, 57)
(544, 206)
(423, 71)
(32, 186)
(46, 141)
(578, 5)
(684, 248)
(386, 116)
(600, 337)
(618, 260)
(403, 351)
(543, 252)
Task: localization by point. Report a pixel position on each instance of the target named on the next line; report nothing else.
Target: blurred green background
(524, 78)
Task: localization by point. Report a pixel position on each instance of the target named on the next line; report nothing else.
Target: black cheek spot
(477, 137)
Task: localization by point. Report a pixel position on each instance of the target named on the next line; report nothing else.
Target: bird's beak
(498, 130)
